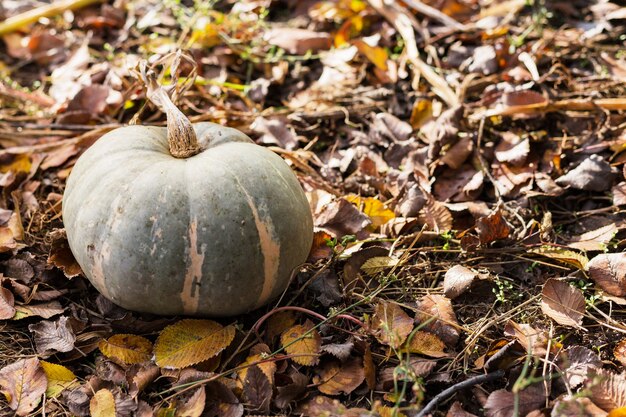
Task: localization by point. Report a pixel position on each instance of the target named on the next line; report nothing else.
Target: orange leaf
(126, 348)
(427, 344)
(336, 377)
(390, 324)
(375, 54)
(191, 341)
(304, 342)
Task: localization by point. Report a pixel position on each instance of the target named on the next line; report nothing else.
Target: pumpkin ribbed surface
(215, 234)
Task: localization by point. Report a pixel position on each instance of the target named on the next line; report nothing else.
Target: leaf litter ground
(464, 163)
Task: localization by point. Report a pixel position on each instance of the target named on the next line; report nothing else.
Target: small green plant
(503, 290)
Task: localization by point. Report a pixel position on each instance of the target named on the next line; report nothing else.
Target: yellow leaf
(259, 352)
(617, 412)
(102, 404)
(563, 255)
(191, 341)
(428, 344)
(18, 163)
(373, 208)
(126, 348)
(59, 378)
(422, 111)
(349, 29)
(375, 54)
(303, 342)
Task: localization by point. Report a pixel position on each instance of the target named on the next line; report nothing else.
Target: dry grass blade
(398, 16)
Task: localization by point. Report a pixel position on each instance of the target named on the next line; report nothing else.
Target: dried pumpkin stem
(181, 136)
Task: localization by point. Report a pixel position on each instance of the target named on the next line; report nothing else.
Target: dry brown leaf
(23, 383)
(457, 280)
(620, 352)
(427, 344)
(436, 315)
(456, 410)
(369, 367)
(44, 310)
(531, 339)
(193, 404)
(258, 352)
(512, 149)
(126, 348)
(577, 406)
(60, 254)
(295, 388)
(320, 248)
(139, 376)
(342, 218)
(257, 390)
(577, 363)
(278, 323)
(335, 377)
(304, 342)
(608, 270)
(592, 174)
(390, 324)
(7, 303)
(492, 227)
(372, 208)
(619, 194)
(563, 303)
(53, 336)
(191, 341)
(298, 41)
(607, 389)
(501, 403)
(594, 240)
(102, 404)
(436, 215)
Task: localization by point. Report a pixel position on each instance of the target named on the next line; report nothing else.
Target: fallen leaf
(378, 264)
(578, 407)
(44, 310)
(369, 368)
(126, 348)
(278, 323)
(390, 324)
(592, 174)
(340, 351)
(320, 248)
(512, 149)
(436, 315)
(304, 342)
(23, 383)
(563, 303)
(427, 344)
(220, 401)
(193, 404)
(594, 240)
(372, 208)
(257, 390)
(501, 403)
(619, 194)
(456, 410)
(577, 362)
(375, 54)
(335, 377)
(275, 132)
(436, 215)
(139, 376)
(294, 389)
(59, 378)
(61, 256)
(569, 257)
(532, 340)
(102, 404)
(457, 280)
(608, 270)
(607, 389)
(191, 341)
(620, 351)
(7, 303)
(342, 218)
(53, 336)
(298, 41)
(492, 227)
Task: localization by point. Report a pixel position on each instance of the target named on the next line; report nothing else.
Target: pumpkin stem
(181, 136)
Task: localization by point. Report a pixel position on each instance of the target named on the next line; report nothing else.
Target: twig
(19, 21)
(433, 13)
(458, 387)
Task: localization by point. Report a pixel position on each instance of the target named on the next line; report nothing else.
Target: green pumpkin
(216, 232)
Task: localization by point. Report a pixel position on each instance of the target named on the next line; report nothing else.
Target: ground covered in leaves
(464, 163)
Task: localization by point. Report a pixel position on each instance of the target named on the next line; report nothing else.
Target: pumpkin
(188, 219)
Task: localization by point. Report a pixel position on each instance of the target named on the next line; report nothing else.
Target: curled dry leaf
(436, 215)
(594, 240)
(569, 257)
(457, 280)
(436, 315)
(563, 303)
(126, 348)
(298, 41)
(23, 383)
(336, 377)
(390, 324)
(191, 341)
(304, 342)
(192, 405)
(53, 336)
(608, 270)
(492, 227)
(532, 340)
(102, 404)
(59, 378)
(61, 256)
